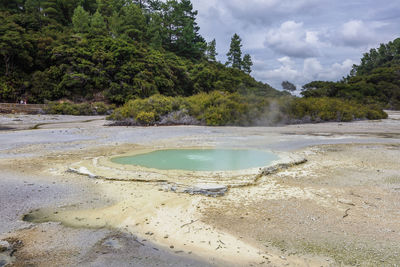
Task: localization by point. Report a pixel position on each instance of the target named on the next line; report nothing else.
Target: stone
(208, 189)
(4, 246)
(82, 171)
(112, 243)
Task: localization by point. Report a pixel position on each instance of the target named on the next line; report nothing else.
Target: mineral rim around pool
(200, 159)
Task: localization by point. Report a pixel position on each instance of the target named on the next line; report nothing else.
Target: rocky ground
(339, 208)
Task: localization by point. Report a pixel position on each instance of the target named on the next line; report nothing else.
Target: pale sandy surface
(339, 208)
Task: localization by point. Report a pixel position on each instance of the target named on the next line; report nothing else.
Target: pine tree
(98, 25)
(14, 46)
(235, 53)
(247, 63)
(32, 6)
(143, 4)
(13, 5)
(52, 11)
(89, 5)
(181, 32)
(133, 22)
(115, 23)
(80, 20)
(108, 7)
(212, 50)
(154, 5)
(154, 31)
(67, 8)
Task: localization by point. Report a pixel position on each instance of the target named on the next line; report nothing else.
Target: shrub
(332, 109)
(67, 108)
(221, 108)
(145, 118)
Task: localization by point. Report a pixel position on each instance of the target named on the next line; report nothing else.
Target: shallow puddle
(200, 159)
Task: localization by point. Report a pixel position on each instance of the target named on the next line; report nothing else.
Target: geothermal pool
(200, 159)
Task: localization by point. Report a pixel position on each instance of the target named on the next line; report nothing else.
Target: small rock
(82, 171)
(346, 202)
(112, 243)
(207, 189)
(4, 245)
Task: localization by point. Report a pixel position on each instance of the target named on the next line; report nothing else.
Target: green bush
(66, 108)
(7, 92)
(332, 109)
(221, 108)
(145, 118)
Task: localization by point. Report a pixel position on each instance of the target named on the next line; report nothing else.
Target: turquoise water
(200, 159)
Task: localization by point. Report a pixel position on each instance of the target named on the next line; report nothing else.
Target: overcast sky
(300, 40)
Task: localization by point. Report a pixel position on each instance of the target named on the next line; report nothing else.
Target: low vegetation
(67, 108)
(332, 109)
(221, 108)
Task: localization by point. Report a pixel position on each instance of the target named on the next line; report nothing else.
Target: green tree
(14, 46)
(67, 8)
(133, 22)
(235, 53)
(33, 13)
(154, 31)
(115, 24)
(52, 11)
(143, 4)
(11, 5)
(181, 32)
(385, 54)
(108, 7)
(89, 5)
(97, 24)
(32, 6)
(247, 63)
(81, 20)
(211, 51)
(288, 86)
(111, 49)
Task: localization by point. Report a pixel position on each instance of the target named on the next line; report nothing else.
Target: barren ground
(339, 208)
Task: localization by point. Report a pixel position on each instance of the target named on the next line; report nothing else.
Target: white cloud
(286, 61)
(286, 71)
(357, 33)
(337, 70)
(303, 72)
(300, 40)
(312, 68)
(291, 39)
(268, 11)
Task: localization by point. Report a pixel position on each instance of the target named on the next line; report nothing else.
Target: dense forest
(113, 51)
(375, 79)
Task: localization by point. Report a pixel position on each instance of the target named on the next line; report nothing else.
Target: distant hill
(375, 79)
(109, 50)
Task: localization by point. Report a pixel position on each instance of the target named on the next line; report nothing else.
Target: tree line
(375, 80)
(113, 50)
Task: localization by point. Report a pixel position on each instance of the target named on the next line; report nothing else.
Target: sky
(299, 40)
